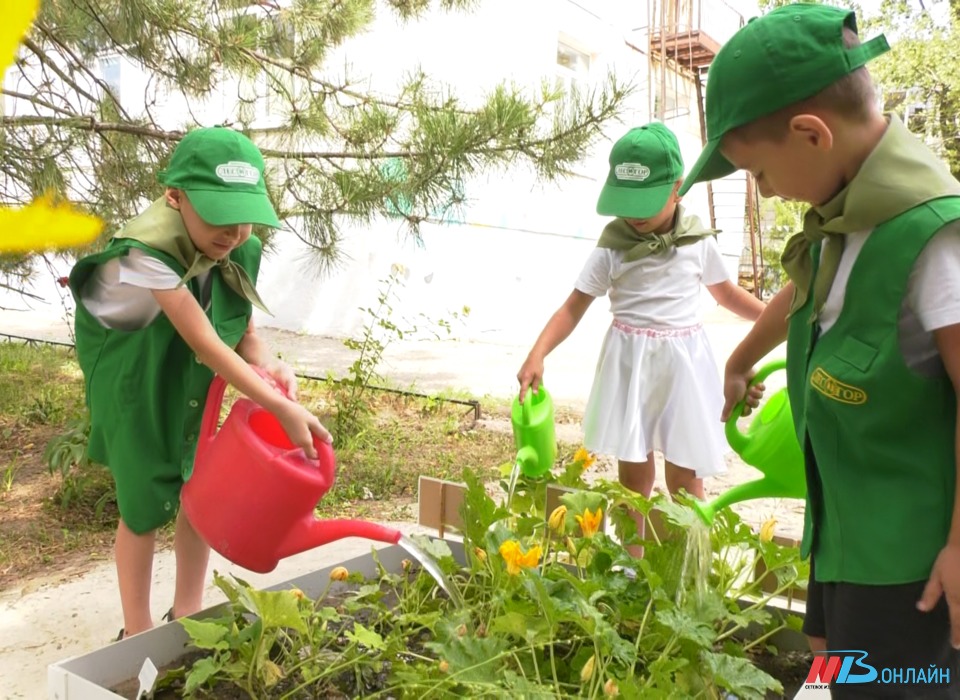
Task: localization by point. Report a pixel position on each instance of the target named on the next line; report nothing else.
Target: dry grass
(41, 395)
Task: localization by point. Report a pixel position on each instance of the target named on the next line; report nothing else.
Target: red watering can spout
(314, 532)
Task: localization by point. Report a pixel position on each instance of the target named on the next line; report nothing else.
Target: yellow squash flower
(44, 224)
(558, 519)
(585, 458)
(517, 559)
(610, 689)
(340, 573)
(586, 673)
(590, 522)
(767, 529)
(481, 554)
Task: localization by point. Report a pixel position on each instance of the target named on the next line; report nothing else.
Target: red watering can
(252, 493)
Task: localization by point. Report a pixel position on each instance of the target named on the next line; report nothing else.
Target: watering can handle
(525, 406)
(211, 412)
(737, 439)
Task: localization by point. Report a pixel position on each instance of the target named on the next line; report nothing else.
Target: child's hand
(530, 375)
(945, 581)
(735, 390)
(282, 374)
(301, 426)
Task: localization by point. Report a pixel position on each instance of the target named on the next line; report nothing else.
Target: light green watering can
(769, 445)
(533, 432)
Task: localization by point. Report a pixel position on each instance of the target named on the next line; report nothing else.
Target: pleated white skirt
(657, 390)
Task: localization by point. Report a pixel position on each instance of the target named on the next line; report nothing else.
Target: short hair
(853, 97)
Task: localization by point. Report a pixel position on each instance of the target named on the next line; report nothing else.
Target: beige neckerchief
(161, 228)
(900, 174)
(619, 235)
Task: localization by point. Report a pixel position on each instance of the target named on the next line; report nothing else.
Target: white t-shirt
(658, 291)
(118, 293)
(932, 300)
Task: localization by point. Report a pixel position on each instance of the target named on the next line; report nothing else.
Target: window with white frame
(573, 65)
(111, 73)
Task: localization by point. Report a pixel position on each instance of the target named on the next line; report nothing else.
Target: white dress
(656, 386)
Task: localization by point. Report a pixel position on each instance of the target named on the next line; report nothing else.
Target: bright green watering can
(533, 432)
(769, 445)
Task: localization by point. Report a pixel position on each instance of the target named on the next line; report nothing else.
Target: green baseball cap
(221, 170)
(645, 164)
(775, 61)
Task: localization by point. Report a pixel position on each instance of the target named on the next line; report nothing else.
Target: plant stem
(636, 646)
(763, 637)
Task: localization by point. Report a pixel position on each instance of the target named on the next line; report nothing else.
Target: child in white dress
(656, 387)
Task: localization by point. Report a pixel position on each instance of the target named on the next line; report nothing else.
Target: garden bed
(548, 610)
(110, 673)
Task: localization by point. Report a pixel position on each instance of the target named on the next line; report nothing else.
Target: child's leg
(638, 477)
(192, 556)
(682, 478)
(134, 557)
(814, 622)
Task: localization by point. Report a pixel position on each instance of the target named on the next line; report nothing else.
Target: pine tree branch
(44, 59)
(33, 99)
(90, 123)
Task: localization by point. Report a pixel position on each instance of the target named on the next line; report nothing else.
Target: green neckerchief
(161, 228)
(619, 235)
(900, 174)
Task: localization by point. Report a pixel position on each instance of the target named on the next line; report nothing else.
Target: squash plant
(554, 608)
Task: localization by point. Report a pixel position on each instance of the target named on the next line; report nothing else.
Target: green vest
(146, 389)
(880, 439)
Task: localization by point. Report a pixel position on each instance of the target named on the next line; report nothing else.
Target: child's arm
(769, 330)
(945, 577)
(254, 350)
(737, 299)
(192, 324)
(560, 325)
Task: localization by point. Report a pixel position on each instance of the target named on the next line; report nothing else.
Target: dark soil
(788, 667)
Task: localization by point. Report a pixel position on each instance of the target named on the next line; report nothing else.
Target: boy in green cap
(871, 317)
(656, 386)
(165, 306)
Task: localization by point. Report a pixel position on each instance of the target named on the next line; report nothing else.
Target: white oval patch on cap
(238, 171)
(632, 171)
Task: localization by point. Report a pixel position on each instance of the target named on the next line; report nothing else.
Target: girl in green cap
(167, 304)
(656, 386)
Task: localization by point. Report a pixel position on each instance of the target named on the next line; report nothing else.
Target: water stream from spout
(430, 565)
(512, 484)
(697, 562)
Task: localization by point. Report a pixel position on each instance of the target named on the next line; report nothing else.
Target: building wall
(521, 243)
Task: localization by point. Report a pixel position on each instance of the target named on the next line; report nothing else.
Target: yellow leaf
(18, 16)
(272, 674)
(45, 225)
